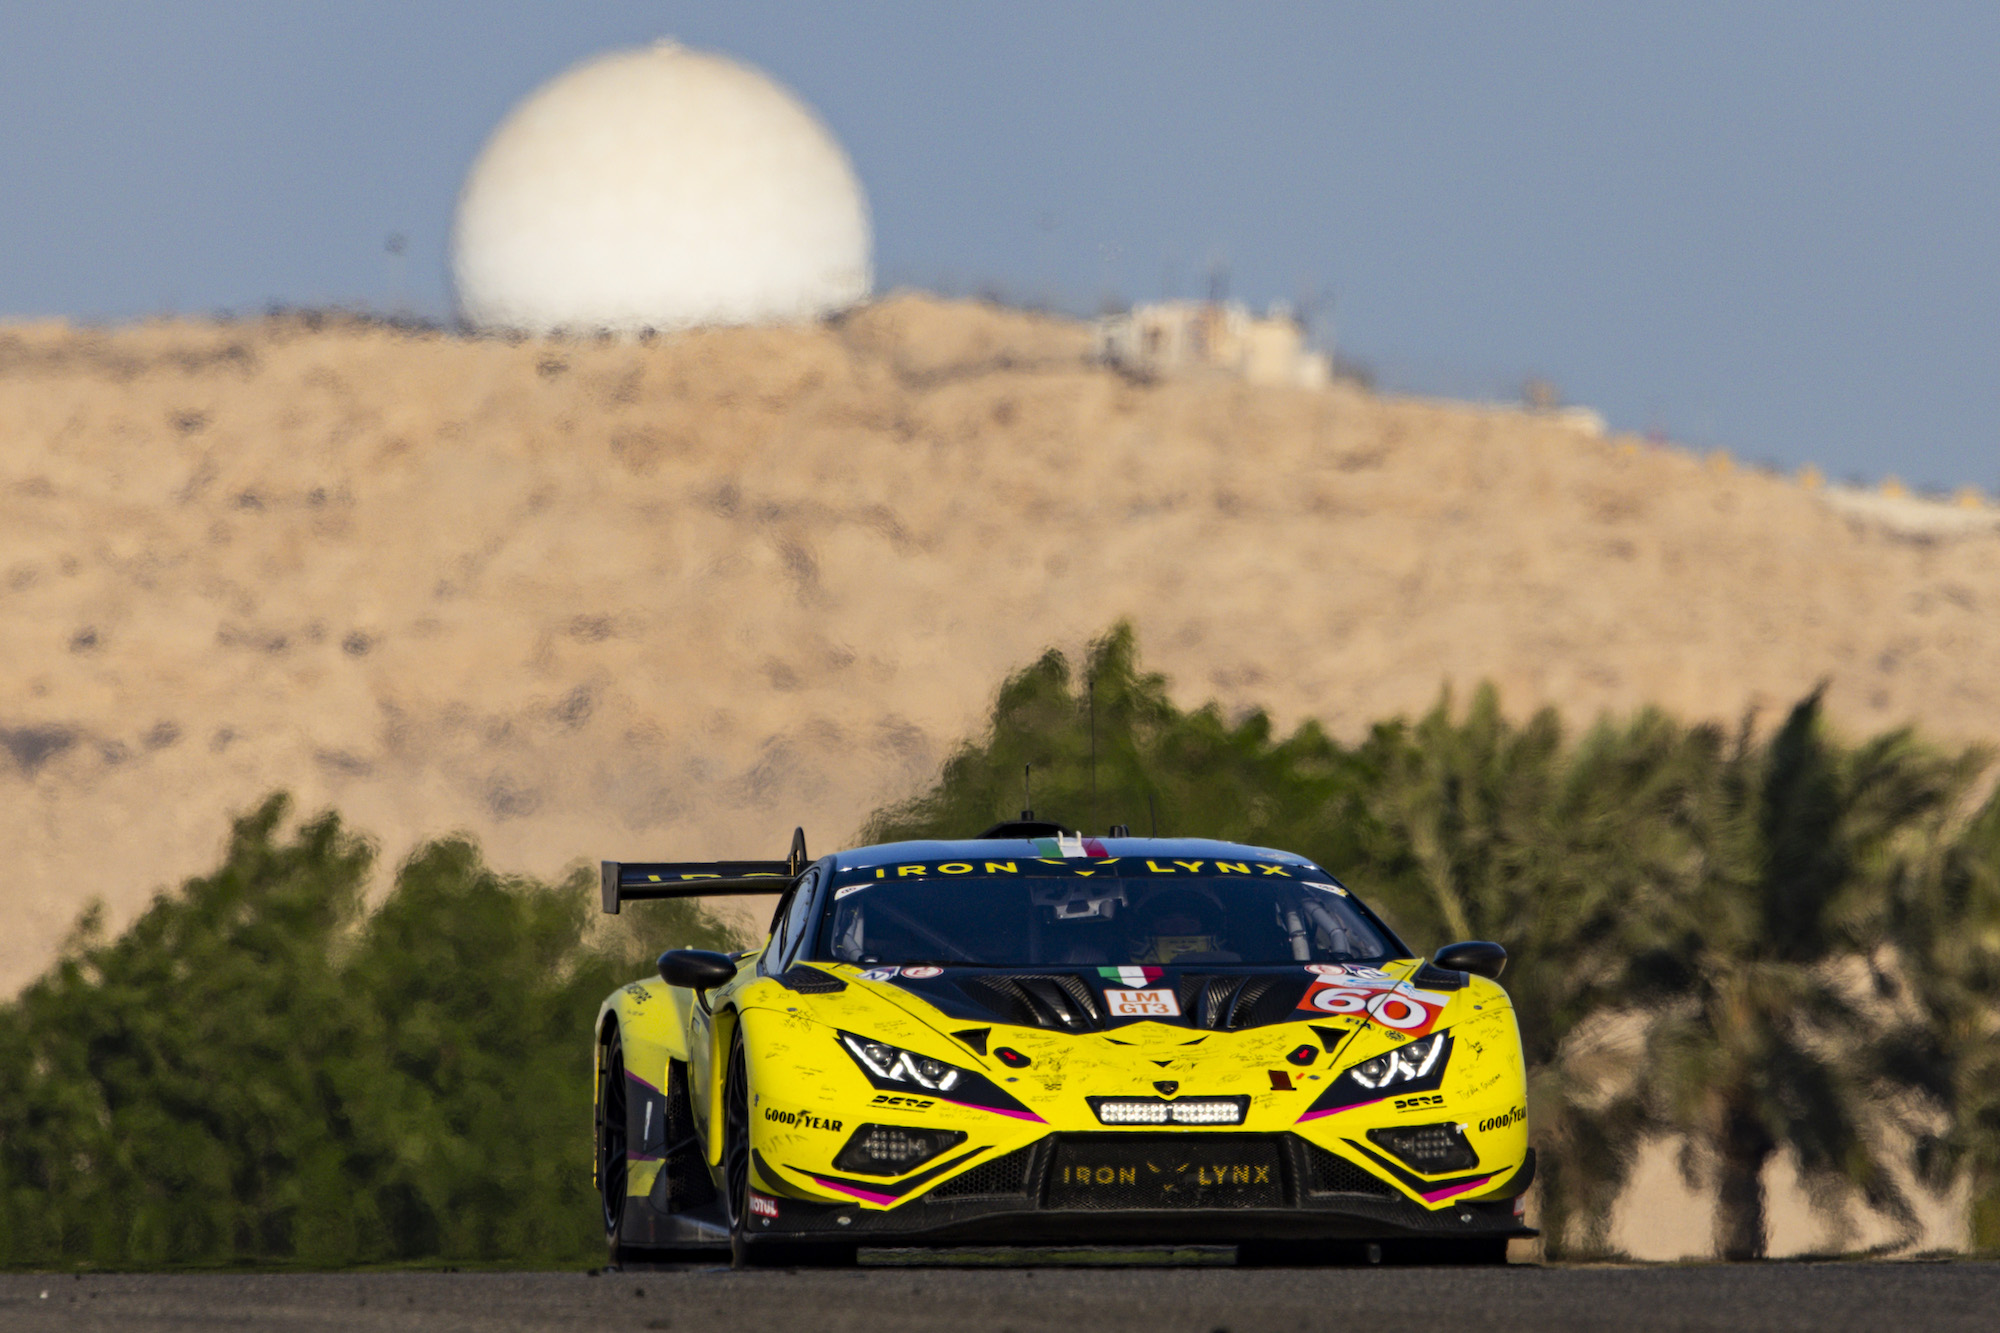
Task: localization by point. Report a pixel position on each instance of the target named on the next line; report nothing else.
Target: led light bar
(1160, 1111)
(890, 1150)
(1431, 1149)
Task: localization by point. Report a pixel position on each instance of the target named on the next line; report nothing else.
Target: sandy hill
(670, 598)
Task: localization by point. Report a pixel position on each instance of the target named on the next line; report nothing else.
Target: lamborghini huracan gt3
(1036, 1038)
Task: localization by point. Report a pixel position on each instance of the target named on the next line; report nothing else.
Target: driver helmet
(1175, 922)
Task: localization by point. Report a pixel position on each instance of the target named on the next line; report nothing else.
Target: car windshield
(1027, 913)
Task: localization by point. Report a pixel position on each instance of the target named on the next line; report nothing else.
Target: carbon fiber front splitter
(1004, 1222)
(1031, 1212)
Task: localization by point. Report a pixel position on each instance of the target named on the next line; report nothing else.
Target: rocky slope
(605, 599)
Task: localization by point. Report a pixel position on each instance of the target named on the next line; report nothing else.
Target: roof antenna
(1027, 800)
(1091, 685)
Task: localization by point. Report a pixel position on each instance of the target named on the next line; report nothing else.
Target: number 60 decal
(1402, 1008)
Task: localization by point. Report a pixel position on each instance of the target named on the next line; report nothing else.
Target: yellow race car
(1036, 1038)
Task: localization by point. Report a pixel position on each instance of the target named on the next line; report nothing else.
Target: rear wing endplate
(631, 881)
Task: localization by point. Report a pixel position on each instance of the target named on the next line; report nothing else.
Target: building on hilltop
(1183, 337)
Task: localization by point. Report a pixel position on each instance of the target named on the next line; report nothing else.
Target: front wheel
(736, 1150)
(743, 1252)
(611, 1141)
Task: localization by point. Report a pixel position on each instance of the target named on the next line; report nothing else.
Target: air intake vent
(683, 1182)
(1061, 1003)
(1327, 1173)
(810, 981)
(1226, 1003)
(1001, 1176)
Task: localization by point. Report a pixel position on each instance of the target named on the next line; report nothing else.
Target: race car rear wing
(630, 881)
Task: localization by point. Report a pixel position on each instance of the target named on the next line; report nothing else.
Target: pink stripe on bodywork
(1449, 1191)
(868, 1196)
(996, 1110)
(1314, 1115)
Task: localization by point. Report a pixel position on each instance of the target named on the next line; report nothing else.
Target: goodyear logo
(800, 1120)
(1513, 1117)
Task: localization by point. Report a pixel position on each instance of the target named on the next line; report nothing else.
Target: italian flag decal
(1132, 976)
(1066, 848)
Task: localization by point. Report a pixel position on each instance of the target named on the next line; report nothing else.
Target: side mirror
(1480, 957)
(696, 969)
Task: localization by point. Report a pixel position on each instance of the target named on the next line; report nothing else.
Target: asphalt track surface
(1074, 1299)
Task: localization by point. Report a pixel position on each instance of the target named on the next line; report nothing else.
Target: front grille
(1119, 1171)
(1001, 1176)
(1327, 1173)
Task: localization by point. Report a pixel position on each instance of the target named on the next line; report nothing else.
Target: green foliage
(1158, 769)
(258, 1071)
(1749, 944)
(1945, 925)
(1772, 1034)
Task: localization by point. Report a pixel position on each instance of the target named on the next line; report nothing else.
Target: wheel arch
(726, 1022)
(651, 1018)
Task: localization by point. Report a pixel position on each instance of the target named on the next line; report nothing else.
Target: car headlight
(1405, 1063)
(886, 1064)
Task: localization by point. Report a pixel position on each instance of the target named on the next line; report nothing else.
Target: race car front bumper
(1127, 1188)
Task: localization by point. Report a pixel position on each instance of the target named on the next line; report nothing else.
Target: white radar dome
(659, 188)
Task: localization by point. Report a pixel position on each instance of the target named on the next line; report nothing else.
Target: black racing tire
(743, 1252)
(1301, 1253)
(736, 1149)
(1469, 1252)
(612, 1166)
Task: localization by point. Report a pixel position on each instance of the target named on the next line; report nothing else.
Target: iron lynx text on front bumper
(1036, 1038)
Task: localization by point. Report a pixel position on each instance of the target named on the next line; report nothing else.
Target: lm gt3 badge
(1157, 1003)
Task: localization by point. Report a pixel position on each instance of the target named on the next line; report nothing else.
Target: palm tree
(1109, 746)
(1558, 852)
(1763, 1040)
(1945, 935)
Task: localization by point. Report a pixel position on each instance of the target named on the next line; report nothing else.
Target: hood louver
(1060, 1003)
(1065, 1002)
(1224, 1004)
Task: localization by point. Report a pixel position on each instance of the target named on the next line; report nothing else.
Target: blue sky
(1769, 227)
